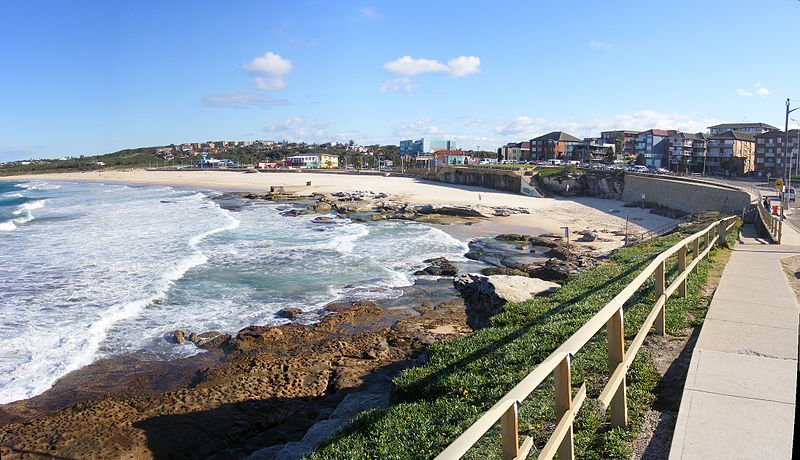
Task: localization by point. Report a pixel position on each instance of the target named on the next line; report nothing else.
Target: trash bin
(775, 210)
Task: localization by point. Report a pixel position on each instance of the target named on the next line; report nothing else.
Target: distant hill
(128, 158)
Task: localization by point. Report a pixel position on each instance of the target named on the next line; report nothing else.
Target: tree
(610, 157)
(640, 159)
(684, 164)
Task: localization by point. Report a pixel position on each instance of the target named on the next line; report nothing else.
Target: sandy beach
(547, 215)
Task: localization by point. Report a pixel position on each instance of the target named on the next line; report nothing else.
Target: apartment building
(556, 144)
(771, 157)
(750, 128)
(515, 151)
(731, 152)
(685, 151)
(652, 145)
(624, 141)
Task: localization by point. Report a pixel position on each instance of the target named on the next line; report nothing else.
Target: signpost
(566, 235)
(779, 185)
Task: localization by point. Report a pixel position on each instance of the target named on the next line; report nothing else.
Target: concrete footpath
(739, 398)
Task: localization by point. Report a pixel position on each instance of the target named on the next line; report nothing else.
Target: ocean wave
(13, 195)
(24, 213)
(38, 185)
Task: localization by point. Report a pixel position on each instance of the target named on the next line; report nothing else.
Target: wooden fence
(613, 396)
(773, 224)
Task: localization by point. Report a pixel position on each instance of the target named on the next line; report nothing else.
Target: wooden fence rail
(613, 396)
(773, 224)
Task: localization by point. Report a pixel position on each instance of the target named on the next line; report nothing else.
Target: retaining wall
(685, 195)
(507, 181)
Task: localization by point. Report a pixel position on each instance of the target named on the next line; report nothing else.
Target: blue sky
(88, 77)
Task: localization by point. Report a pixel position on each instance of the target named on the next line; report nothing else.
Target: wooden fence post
(708, 239)
(696, 252)
(562, 379)
(682, 268)
(660, 323)
(509, 433)
(721, 243)
(616, 355)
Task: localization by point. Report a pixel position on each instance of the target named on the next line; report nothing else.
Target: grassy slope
(465, 376)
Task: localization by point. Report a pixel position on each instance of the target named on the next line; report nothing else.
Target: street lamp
(797, 149)
(786, 150)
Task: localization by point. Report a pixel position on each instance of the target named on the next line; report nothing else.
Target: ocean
(92, 270)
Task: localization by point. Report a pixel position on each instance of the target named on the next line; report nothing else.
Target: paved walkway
(739, 398)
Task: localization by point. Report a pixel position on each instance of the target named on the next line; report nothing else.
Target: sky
(93, 77)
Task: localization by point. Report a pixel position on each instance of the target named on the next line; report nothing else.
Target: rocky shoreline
(279, 391)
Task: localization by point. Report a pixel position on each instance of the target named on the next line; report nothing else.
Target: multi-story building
(652, 145)
(750, 128)
(515, 151)
(685, 151)
(556, 144)
(624, 141)
(593, 149)
(731, 152)
(771, 157)
(411, 148)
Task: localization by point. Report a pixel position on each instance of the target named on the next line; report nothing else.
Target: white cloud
(420, 128)
(398, 84)
(269, 83)
(243, 100)
(460, 66)
(463, 66)
(408, 66)
(600, 45)
(760, 91)
(269, 70)
(370, 13)
(298, 129)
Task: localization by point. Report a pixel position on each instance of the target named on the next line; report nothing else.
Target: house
(266, 165)
(751, 128)
(624, 141)
(731, 152)
(771, 157)
(651, 144)
(556, 144)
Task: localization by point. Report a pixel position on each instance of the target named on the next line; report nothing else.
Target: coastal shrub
(465, 376)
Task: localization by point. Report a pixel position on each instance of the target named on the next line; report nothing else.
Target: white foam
(24, 211)
(38, 185)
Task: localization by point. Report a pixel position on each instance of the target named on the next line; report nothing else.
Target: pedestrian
(479, 197)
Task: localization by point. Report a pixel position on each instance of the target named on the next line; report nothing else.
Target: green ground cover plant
(463, 377)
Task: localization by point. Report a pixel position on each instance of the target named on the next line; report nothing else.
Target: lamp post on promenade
(797, 149)
(785, 151)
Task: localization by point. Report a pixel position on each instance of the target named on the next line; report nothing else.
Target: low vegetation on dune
(462, 378)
